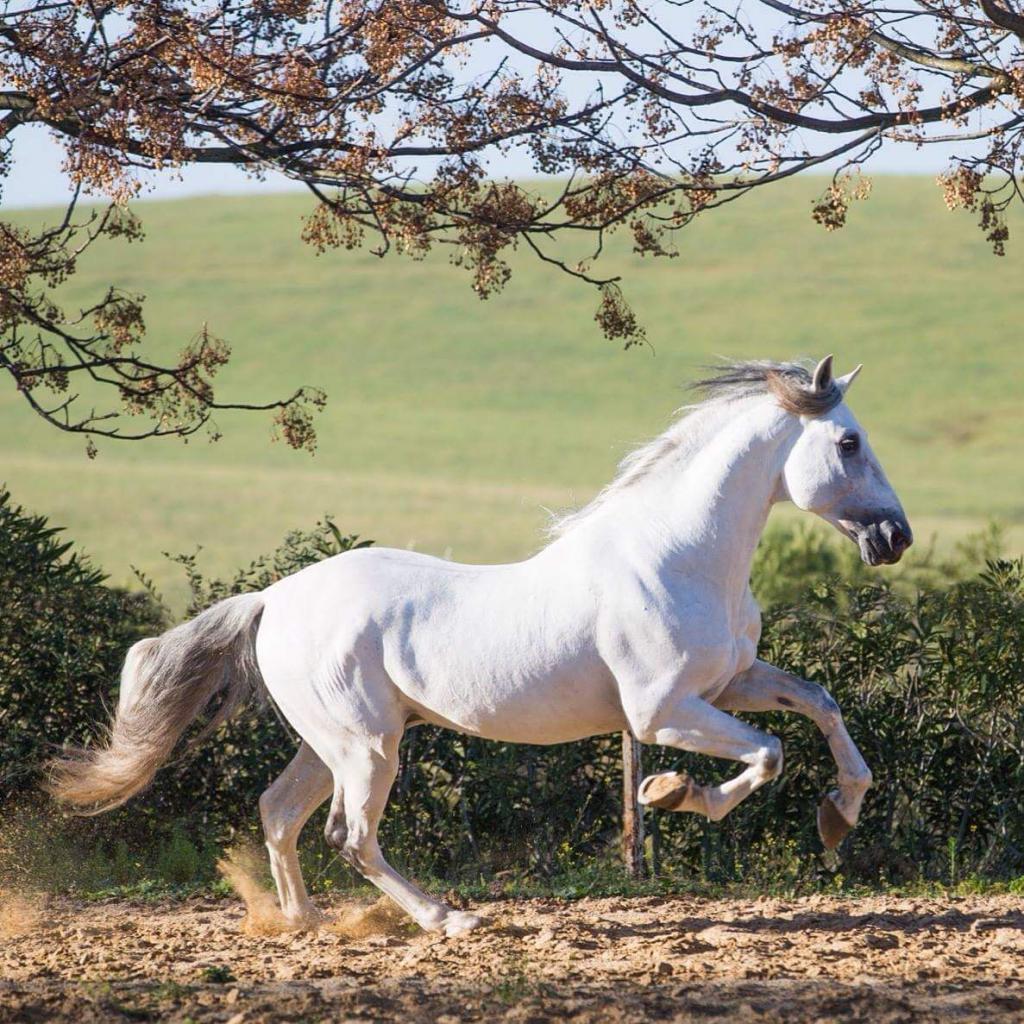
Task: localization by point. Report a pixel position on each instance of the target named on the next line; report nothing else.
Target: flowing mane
(790, 383)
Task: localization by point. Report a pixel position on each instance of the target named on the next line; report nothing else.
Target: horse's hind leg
(345, 706)
(364, 771)
(285, 807)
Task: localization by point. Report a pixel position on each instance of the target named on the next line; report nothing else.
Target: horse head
(832, 471)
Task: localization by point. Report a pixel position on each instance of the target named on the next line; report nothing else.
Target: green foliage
(179, 861)
(792, 556)
(216, 974)
(928, 677)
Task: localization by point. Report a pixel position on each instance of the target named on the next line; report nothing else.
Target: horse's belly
(520, 708)
(554, 722)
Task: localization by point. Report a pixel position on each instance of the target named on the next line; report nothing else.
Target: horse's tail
(165, 683)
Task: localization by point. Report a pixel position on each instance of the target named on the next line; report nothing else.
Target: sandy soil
(681, 959)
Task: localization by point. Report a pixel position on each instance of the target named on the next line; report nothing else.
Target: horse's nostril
(899, 540)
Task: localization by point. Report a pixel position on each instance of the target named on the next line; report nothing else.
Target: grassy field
(452, 423)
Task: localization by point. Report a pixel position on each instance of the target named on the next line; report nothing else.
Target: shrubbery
(929, 676)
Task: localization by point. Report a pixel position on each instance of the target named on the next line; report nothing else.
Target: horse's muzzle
(883, 541)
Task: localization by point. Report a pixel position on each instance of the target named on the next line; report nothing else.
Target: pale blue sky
(36, 178)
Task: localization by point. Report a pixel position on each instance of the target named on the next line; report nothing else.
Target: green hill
(452, 422)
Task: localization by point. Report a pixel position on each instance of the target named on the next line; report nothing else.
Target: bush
(793, 557)
(179, 862)
(63, 638)
(929, 678)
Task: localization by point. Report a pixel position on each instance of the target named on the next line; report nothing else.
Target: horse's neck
(707, 515)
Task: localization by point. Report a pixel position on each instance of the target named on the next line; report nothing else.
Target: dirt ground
(818, 959)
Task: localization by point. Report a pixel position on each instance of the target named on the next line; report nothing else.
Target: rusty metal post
(632, 812)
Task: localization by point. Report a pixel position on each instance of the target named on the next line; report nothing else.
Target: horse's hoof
(309, 922)
(667, 791)
(457, 922)
(832, 826)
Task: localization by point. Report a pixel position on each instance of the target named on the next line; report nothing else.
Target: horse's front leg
(764, 687)
(695, 725)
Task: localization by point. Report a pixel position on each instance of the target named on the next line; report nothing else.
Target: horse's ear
(822, 379)
(848, 378)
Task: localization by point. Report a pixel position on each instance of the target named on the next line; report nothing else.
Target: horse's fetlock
(857, 781)
(829, 705)
(433, 919)
(831, 718)
(306, 918)
(770, 759)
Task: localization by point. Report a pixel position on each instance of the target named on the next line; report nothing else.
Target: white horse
(638, 615)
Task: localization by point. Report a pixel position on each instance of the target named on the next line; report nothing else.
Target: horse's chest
(748, 633)
(740, 651)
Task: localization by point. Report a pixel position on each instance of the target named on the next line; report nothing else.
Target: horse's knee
(352, 854)
(644, 725)
(831, 716)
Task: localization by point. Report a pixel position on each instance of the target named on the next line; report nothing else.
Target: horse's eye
(849, 445)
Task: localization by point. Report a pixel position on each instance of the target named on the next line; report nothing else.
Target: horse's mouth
(880, 543)
(870, 553)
